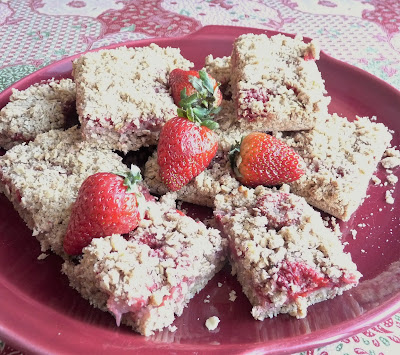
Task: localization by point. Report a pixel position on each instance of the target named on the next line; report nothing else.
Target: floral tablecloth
(364, 33)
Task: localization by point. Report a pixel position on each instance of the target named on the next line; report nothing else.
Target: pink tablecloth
(364, 33)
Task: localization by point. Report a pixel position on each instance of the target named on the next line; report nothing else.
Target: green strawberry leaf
(206, 81)
(188, 101)
(200, 112)
(131, 178)
(181, 112)
(183, 94)
(233, 156)
(210, 124)
(197, 84)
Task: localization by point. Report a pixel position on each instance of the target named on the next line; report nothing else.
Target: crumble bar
(341, 157)
(146, 278)
(282, 253)
(123, 96)
(42, 179)
(276, 83)
(37, 109)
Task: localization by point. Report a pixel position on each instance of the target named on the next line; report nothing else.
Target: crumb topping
(340, 157)
(123, 94)
(274, 85)
(38, 109)
(42, 180)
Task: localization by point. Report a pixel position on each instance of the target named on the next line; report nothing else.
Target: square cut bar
(123, 96)
(42, 179)
(282, 253)
(147, 278)
(37, 109)
(276, 83)
(341, 157)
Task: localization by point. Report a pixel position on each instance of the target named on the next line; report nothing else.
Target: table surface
(364, 33)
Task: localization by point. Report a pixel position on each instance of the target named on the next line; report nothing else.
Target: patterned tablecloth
(364, 33)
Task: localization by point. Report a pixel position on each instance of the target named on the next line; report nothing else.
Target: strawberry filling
(308, 55)
(299, 279)
(151, 240)
(19, 137)
(118, 308)
(281, 209)
(251, 96)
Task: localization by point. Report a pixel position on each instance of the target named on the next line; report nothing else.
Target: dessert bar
(42, 179)
(147, 278)
(341, 157)
(276, 83)
(282, 253)
(37, 109)
(123, 96)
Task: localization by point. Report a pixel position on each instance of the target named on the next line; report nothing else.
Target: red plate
(40, 313)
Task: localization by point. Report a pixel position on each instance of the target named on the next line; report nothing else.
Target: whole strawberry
(261, 159)
(195, 89)
(185, 149)
(106, 204)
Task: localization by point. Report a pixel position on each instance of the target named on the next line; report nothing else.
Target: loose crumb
(206, 301)
(389, 198)
(219, 284)
(212, 323)
(353, 233)
(42, 256)
(172, 328)
(232, 296)
(376, 180)
(390, 162)
(392, 179)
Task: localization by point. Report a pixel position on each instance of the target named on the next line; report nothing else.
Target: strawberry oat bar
(341, 157)
(276, 83)
(38, 109)
(147, 277)
(42, 179)
(123, 96)
(282, 253)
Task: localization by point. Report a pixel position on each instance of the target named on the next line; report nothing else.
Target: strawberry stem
(233, 157)
(199, 107)
(131, 178)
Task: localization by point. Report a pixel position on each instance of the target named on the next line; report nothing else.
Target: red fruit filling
(118, 308)
(251, 96)
(281, 209)
(308, 55)
(151, 240)
(257, 95)
(19, 137)
(299, 279)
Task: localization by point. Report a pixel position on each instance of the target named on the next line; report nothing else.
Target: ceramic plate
(40, 313)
